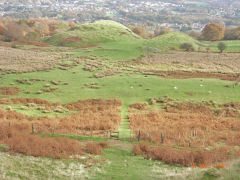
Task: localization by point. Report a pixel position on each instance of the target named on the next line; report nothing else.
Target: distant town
(179, 15)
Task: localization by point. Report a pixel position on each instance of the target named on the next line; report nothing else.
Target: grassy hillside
(172, 40)
(92, 33)
(115, 40)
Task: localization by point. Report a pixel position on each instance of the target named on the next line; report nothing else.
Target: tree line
(29, 29)
(216, 32)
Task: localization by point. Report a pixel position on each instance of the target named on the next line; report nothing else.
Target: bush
(33, 145)
(104, 145)
(221, 46)
(93, 148)
(187, 47)
(183, 157)
(32, 36)
(13, 46)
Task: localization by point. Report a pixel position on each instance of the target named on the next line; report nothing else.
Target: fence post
(162, 137)
(9, 124)
(130, 136)
(149, 137)
(190, 141)
(54, 129)
(139, 135)
(32, 129)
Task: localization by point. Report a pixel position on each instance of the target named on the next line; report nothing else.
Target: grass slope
(117, 41)
(94, 33)
(172, 40)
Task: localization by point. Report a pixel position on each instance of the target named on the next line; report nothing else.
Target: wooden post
(190, 141)
(9, 124)
(162, 137)
(32, 129)
(53, 129)
(139, 135)
(131, 138)
(149, 137)
(109, 135)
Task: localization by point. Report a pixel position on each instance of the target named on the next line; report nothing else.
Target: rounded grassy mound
(92, 33)
(173, 40)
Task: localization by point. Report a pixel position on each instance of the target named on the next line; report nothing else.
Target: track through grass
(124, 131)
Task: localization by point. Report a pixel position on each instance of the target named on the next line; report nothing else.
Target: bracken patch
(184, 157)
(9, 90)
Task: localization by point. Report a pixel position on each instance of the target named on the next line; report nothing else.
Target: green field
(232, 46)
(129, 88)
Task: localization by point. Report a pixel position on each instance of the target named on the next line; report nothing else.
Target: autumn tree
(71, 24)
(232, 33)
(213, 32)
(140, 31)
(165, 31)
(42, 28)
(2, 28)
(14, 31)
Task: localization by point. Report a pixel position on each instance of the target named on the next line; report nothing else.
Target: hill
(172, 40)
(92, 33)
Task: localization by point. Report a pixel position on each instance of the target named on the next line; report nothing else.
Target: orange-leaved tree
(213, 32)
(140, 31)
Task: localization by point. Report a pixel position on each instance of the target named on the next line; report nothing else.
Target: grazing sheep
(39, 92)
(54, 82)
(9, 108)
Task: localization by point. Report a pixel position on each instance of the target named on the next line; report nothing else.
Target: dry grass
(94, 117)
(9, 90)
(195, 61)
(189, 124)
(33, 145)
(95, 114)
(93, 148)
(109, 72)
(20, 141)
(183, 157)
(16, 60)
(104, 145)
(27, 101)
(190, 74)
(72, 39)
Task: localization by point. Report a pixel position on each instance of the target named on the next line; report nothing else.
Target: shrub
(181, 156)
(9, 90)
(32, 36)
(187, 47)
(18, 141)
(104, 145)
(93, 148)
(221, 46)
(13, 46)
